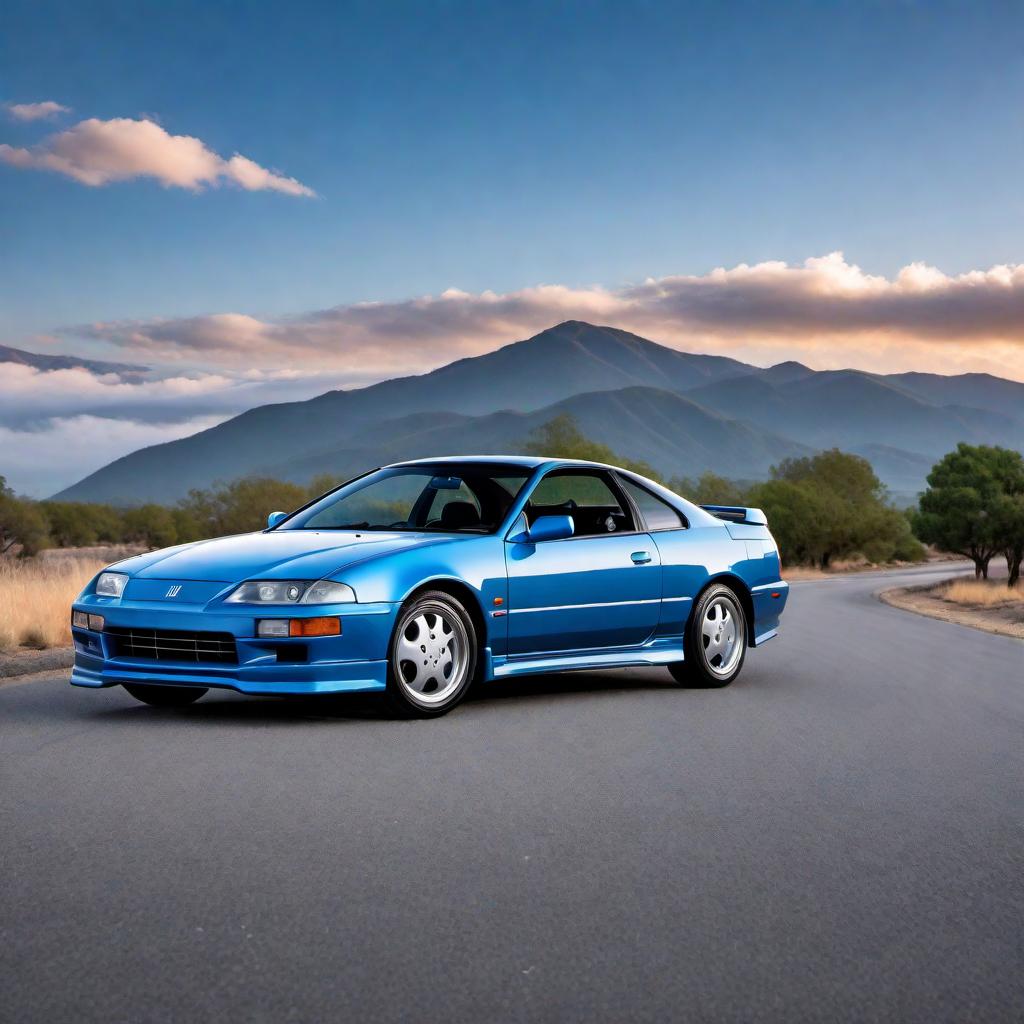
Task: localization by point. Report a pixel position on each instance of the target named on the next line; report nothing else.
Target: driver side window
(589, 497)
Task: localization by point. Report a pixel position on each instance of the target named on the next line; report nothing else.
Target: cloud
(36, 111)
(31, 399)
(826, 311)
(42, 461)
(58, 425)
(96, 152)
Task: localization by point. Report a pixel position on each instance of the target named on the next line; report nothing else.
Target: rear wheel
(432, 658)
(165, 696)
(716, 640)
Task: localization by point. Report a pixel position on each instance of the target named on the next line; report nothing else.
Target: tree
(710, 489)
(21, 522)
(843, 508)
(74, 524)
(561, 438)
(1008, 517)
(152, 525)
(802, 519)
(962, 510)
(241, 506)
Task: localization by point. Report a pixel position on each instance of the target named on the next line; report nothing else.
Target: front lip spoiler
(268, 680)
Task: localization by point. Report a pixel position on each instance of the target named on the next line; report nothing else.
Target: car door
(600, 588)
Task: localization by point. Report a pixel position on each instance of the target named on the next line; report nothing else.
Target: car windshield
(450, 497)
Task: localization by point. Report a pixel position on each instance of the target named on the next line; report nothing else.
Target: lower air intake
(179, 645)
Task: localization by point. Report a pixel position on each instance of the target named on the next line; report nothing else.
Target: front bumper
(355, 661)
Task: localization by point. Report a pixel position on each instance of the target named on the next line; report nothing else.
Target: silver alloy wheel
(431, 655)
(721, 632)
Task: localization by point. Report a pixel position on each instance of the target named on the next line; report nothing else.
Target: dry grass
(36, 596)
(983, 594)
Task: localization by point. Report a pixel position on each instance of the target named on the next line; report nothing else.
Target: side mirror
(550, 528)
(274, 518)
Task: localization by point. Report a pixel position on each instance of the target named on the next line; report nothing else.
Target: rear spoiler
(737, 514)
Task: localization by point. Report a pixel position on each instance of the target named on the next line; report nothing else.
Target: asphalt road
(838, 836)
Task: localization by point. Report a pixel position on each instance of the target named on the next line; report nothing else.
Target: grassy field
(36, 595)
(983, 594)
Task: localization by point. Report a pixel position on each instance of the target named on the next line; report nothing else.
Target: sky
(259, 202)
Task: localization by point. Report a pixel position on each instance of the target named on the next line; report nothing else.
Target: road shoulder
(15, 665)
(924, 599)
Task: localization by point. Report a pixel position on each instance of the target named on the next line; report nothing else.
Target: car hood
(279, 554)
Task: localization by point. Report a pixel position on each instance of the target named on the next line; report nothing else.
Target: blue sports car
(418, 579)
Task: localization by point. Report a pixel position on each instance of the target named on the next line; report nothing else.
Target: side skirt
(662, 651)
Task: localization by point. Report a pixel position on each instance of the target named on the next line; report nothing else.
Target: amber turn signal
(324, 625)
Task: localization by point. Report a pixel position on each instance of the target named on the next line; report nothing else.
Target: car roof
(694, 513)
(526, 461)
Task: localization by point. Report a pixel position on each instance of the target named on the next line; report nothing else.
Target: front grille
(171, 645)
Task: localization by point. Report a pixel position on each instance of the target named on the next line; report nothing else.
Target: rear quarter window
(658, 514)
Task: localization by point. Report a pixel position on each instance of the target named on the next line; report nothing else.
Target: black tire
(700, 670)
(165, 696)
(434, 625)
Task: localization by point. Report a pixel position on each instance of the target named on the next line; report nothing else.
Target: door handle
(640, 557)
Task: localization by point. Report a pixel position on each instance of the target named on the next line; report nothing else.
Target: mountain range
(683, 413)
(41, 361)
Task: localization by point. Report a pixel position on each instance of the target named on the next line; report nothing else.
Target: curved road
(838, 836)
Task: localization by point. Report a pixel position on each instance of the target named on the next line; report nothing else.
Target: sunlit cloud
(36, 111)
(825, 311)
(57, 424)
(96, 153)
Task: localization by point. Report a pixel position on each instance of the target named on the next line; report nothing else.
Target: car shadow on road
(225, 707)
(570, 684)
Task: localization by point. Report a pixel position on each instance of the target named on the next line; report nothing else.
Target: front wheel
(432, 658)
(716, 640)
(165, 696)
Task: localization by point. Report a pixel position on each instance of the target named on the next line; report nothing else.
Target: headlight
(328, 592)
(291, 592)
(268, 592)
(111, 584)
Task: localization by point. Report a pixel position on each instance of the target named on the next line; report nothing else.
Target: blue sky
(496, 148)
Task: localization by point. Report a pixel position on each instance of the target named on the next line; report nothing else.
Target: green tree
(1008, 516)
(561, 438)
(710, 489)
(187, 527)
(828, 506)
(152, 525)
(964, 509)
(241, 506)
(21, 522)
(848, 508)
(803, 519)
(74, 524)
